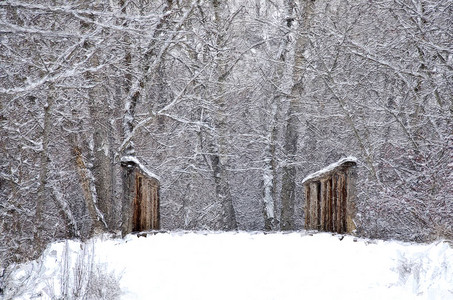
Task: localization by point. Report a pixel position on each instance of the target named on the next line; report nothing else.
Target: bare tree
(231, 103)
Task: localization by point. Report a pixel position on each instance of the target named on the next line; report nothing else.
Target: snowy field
(237, 266)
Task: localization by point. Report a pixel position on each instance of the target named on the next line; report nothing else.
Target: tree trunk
(298, 27)
(219, 148)
(269, 173)
(43, 170)
(96, 177)
(89, 192)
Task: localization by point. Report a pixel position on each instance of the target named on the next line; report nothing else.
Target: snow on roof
(133, 159)
(330, 168)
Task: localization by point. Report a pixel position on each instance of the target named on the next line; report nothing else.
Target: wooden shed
(330, 197)
(141, 197)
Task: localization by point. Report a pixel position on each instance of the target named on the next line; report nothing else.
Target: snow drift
(236, 266)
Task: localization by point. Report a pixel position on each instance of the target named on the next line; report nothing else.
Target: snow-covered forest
(231, 103)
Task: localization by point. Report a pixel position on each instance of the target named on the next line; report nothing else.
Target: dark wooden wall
(145, 207)
(329, 200)
(140, 201)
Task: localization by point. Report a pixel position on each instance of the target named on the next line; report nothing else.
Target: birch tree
(298, 19)
(231, 103)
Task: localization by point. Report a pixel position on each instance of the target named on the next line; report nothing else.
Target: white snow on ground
(246, 266)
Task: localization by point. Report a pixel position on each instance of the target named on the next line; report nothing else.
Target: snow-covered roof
(134, 160)
(331, 167)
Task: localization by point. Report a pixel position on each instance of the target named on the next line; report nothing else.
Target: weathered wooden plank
(307, 206)
(322, 205)
(314, 206)
(157, 208)
(329, 204)
(334, 203)
(340, 203)
(325, 205)
(136, 206)
(318, 205)
(344, 198)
